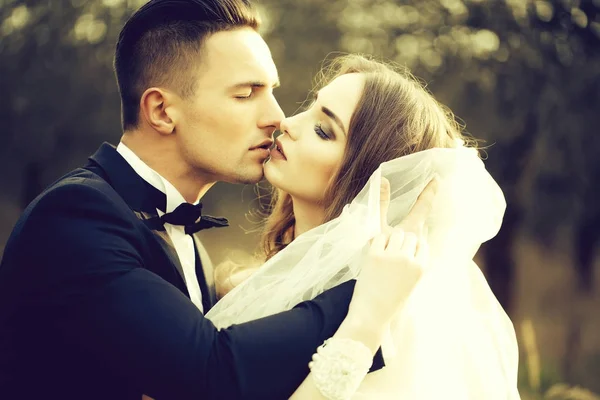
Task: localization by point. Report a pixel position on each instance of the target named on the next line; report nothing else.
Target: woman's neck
(308, 215)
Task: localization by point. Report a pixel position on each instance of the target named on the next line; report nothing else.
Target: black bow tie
(190, 216)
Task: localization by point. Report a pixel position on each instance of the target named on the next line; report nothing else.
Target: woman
(451, 339)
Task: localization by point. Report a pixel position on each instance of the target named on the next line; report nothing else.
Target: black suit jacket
(93, 306)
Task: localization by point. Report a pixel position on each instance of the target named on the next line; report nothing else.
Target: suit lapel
(165, 242)
(205, 269)
(142, 198)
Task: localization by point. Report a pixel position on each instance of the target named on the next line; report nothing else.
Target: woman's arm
(367, 334)
(393, 268)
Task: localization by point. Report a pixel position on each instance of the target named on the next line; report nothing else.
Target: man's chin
(245, 174)
(248, 178)
(250, 181)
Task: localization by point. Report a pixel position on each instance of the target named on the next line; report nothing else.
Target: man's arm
(144, 328)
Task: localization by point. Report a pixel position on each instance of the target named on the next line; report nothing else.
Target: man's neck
(162, 155)
(308, 215)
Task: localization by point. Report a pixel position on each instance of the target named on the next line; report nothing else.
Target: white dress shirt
(184, 244)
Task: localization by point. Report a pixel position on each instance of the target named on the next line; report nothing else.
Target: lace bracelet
(339, 367)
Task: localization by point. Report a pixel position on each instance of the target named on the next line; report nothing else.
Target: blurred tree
(300, 34)
(59, 92)
(524, 74)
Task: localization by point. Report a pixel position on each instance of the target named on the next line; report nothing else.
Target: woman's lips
(276, 154)
(277, 151)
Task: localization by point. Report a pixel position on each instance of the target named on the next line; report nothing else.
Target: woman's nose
(286, 127)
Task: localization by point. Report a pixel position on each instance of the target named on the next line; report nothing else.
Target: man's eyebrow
(254, 84)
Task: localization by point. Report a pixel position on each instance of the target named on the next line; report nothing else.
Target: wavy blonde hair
(395, 116)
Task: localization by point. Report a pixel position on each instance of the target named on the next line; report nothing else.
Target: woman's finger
(396, 240)
(415, 220)
(384, 199)
(422, 253)
(409, 246)
(379, 242)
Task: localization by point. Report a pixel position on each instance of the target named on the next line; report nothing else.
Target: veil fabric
(451, 338)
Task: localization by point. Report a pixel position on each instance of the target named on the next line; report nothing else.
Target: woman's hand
(415, 220)
(391, 270)
(394, 263)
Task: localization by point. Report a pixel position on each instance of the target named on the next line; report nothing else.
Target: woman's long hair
(395, 116)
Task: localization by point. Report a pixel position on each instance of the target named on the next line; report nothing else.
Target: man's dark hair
(160, 45)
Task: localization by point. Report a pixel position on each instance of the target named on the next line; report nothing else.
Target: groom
(103, 284)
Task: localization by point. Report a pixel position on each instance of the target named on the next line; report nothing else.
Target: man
(102, 285)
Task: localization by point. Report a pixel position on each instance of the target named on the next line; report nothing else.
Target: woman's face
(310, 149)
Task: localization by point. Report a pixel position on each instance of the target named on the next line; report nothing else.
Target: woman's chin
(272, 174)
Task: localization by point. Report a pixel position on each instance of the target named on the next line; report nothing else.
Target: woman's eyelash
(321, 133)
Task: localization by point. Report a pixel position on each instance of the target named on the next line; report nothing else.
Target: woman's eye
(321, 133)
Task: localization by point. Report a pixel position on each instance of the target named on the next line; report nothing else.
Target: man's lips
(265, 145)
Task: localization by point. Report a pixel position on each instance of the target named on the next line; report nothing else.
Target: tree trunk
(499, 262)
(587, 239)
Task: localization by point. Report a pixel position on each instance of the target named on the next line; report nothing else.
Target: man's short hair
(160, 45)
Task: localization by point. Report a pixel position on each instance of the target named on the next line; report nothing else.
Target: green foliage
(549, 375)
(522, 74)
(58, 85)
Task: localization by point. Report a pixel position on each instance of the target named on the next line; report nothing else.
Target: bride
(367, 123)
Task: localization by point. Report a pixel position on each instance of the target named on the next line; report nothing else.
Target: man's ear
(155, 109)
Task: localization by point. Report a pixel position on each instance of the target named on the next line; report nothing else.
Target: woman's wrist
(368, 331)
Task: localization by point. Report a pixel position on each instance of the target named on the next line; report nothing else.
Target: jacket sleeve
(91, 275)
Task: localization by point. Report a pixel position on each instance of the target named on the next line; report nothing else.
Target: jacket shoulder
(78, 189)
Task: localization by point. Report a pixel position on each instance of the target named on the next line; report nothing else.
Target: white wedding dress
(452, 339)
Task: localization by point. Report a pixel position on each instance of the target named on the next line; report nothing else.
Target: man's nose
(274, 114)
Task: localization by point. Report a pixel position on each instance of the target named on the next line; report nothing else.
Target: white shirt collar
(174, 198)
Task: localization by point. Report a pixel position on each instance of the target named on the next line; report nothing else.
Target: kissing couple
(366, 285)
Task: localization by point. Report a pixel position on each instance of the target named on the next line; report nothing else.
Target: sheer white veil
(452, 339)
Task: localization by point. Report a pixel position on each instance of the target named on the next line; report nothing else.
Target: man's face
(226, 127)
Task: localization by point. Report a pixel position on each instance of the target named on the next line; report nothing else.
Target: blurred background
(523, 75)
